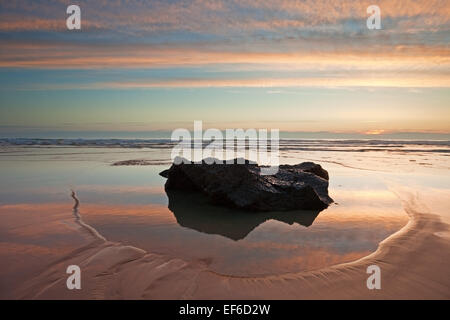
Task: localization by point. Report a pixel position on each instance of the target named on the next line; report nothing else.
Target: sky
(308, 66)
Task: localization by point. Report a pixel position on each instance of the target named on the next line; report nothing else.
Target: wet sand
(40, 239)
(414, 264)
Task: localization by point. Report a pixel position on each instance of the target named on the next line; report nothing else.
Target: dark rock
(139, 162)
(164, 173)
(310, 167)
(302, 186)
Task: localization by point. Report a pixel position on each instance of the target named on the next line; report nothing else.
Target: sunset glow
(300, 66)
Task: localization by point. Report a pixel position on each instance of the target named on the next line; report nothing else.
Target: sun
(375, 132)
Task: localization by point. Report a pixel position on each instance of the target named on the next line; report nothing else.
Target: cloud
(328, 38)
(223, 16)
(54, 55)
(339, 81)
(220, 17)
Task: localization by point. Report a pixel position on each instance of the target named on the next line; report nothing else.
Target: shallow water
(128, 204)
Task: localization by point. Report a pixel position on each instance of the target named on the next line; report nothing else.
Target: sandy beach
(414, 260)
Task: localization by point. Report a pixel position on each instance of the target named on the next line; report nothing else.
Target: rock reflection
(193, 210)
